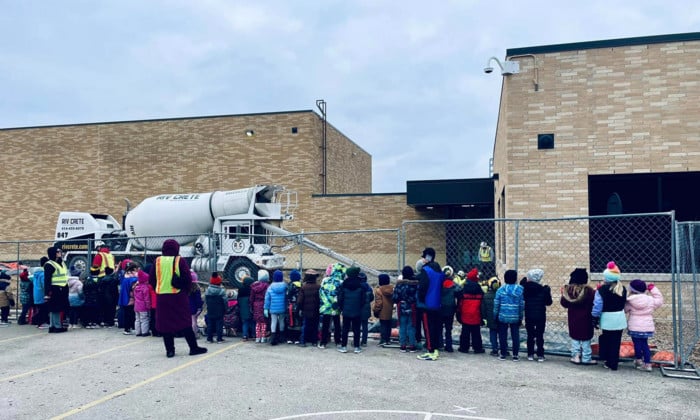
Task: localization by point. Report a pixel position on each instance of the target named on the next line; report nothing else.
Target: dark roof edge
(451, 180)
(609, 43)
(159, 119)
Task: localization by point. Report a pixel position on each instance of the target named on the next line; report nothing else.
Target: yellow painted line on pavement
(21, 337)
(130, 388)
(67, 362)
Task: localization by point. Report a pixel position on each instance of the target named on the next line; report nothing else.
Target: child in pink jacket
(142, 304)
(640, 326)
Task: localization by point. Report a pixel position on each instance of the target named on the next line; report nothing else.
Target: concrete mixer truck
(225, 231)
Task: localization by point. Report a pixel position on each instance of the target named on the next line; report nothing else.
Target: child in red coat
(470, 314)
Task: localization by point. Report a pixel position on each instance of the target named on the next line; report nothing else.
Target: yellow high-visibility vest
(164, 274)
(107, 261)
(485, 254)
(60, 274)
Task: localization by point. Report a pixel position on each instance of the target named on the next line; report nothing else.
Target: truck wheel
(240, 268)
(81, 263)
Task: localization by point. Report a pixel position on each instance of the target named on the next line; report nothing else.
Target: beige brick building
(95, 167)
(595, 128)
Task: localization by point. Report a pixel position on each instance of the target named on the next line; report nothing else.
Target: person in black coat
(537, 297)
(56, 287)
(351, 298)
(108, 287)
(309, 303)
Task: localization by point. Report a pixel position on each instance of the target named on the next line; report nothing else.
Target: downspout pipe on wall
(321, 105)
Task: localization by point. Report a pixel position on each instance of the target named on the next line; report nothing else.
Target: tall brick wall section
(94, 167)
(623, 110)
(613, 110)
(349, 167)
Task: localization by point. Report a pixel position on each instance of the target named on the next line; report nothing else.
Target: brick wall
(94, 167)
(630, 109)
(613, 110)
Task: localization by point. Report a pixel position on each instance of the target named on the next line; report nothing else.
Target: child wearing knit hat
(292, 319)
(257, 305)
(608, 312)
(383, 307)
(508, 307)
(487, 305)
(640, 307)
(577, 298)
(537, 297)
(217, 302)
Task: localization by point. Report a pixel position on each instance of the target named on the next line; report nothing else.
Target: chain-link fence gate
(641, 245)
(686, 295)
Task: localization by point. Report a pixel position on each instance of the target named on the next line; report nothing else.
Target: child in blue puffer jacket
(508, 309)
(275, 305)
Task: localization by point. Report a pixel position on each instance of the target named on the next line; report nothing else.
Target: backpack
(433, 295)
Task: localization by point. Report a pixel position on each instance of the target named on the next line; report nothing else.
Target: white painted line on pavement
(67, 362)
(427, 414)
(130, 388)
(21, 337)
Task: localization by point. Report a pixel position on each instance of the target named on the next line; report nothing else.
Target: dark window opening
(545, 141)
(631, 240)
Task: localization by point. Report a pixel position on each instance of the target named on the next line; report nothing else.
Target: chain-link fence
(641, 245)
(688, 262)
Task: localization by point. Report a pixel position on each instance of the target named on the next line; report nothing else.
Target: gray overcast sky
(404, 80)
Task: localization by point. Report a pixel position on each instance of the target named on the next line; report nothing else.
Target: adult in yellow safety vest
(171, 279)
(102, 260)
(56, 286)
(487, 266)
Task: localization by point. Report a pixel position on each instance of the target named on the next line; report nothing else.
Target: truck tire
(80, 262)
(242, 266)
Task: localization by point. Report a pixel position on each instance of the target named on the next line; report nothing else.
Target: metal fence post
(516, 250)
(691, 237)
(301, 250)
(676, 297)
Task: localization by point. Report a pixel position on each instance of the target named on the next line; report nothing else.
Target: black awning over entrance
(460, 198)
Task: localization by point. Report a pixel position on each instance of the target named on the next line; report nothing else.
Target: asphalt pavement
(90, 374)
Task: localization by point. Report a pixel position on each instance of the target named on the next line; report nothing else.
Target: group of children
(343, 302)
(92, 300)
(303, 311)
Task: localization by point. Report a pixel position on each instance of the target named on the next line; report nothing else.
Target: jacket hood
(310, 278)
(171, 248)
(513, 289)
(143, 276)
(259, 285)
(407, 281)
(575, 292)
(386, 290)
(278, 288)
(639, 301)
(352, 283)
(533, 286)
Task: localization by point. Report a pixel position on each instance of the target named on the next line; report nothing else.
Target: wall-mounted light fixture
(507, 67)
(536, 80)
(249, 133)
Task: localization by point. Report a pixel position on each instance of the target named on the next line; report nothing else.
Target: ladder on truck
(301, 240)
